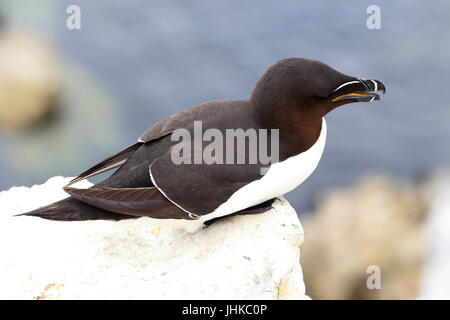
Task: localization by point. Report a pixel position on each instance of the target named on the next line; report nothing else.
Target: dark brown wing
(197, 189)
(207, 112)
(200, 188)
(129, 201)
(109, 163)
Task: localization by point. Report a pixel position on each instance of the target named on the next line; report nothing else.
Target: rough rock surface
(242, 257)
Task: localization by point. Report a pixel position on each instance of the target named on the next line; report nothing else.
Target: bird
(289, 100)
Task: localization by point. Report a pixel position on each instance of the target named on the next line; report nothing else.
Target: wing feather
(109, 163)
(140, 202)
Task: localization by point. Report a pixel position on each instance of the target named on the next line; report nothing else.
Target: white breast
(281, 178)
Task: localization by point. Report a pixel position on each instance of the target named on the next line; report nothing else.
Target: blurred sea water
(146, 60)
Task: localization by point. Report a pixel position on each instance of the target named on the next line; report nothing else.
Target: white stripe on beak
(376, 85)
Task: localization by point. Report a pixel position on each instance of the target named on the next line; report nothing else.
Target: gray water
(150, 59)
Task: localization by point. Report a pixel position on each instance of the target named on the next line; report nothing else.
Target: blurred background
(380, 196)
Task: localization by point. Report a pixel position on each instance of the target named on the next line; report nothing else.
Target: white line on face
(343, 85)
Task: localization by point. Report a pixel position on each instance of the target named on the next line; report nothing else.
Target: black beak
(359, 90)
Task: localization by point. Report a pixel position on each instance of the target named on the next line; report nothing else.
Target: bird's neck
(296, 130)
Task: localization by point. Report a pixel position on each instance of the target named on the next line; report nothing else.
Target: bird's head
(311, 88)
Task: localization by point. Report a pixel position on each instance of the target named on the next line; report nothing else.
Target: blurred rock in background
(29, 80)
(375, 222)
(435, 282)
(51, 106)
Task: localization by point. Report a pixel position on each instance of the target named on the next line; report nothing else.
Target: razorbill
(290, 100)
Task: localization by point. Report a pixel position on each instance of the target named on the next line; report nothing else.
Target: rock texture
(242, 257)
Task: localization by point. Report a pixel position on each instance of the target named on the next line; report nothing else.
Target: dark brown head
(310, 89)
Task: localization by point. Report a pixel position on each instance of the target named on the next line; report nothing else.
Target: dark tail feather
(71, 209)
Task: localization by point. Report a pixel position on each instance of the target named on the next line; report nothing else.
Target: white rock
(242, 257)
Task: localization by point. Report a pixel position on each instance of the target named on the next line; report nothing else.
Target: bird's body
(218, 176)
(280, 178)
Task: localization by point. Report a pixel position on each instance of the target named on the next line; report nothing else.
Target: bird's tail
(71, 209)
